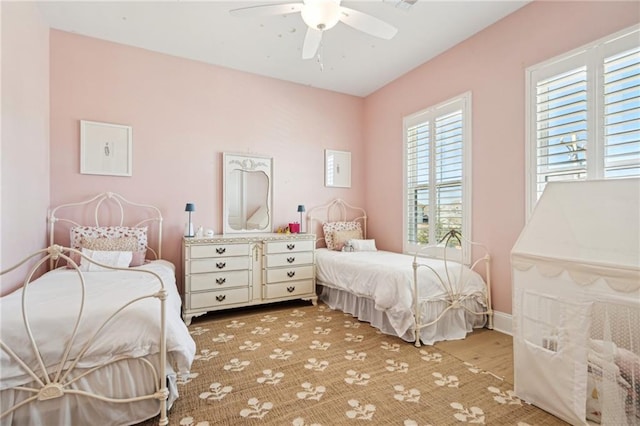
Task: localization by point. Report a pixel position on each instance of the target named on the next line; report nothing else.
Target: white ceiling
(352, 62)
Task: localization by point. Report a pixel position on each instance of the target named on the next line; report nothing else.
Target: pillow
(92, 233)
(110, 244)
(116, 244)
(341, 237)
(363, 245)
(118, 259)
(328, 228)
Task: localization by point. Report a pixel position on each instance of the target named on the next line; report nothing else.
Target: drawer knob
(221, 250)
(221, 297)
(290, 274)
(291, 259)
(221, 265)
(291, 289)
(291, 246)
(220, 280)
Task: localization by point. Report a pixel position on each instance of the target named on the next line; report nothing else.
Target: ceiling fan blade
(367, 23)
(268, 9)
(311, 43)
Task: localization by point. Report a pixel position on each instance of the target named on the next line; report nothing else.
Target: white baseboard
(502, 323)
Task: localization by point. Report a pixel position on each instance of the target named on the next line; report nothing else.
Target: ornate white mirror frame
(247, 191)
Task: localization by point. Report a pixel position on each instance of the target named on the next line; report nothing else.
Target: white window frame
(591, 56)
(462, 102)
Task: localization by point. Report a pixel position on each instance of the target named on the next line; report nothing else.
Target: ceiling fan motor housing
(321, 14)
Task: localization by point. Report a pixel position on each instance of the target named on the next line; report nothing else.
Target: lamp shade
(190, 207)
(301, 208)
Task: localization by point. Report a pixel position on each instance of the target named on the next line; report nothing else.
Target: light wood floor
(487, 349)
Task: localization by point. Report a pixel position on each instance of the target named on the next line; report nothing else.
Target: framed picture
(337, 169)
(105, 149)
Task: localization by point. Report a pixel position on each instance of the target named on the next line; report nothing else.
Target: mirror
(247, 192)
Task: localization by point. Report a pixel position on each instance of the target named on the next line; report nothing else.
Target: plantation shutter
(583, 116)
(622, 115)
(448, 173)
(561, 127)
(435, 165)
(418, 167)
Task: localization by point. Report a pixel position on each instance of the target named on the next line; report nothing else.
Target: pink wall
(184, 114)
(492, 66)
(24, 174)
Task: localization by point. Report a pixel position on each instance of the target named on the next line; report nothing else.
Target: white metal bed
(425, 297)
(80, 346)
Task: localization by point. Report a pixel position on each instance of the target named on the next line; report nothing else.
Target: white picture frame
(337, 169)
(105, 149)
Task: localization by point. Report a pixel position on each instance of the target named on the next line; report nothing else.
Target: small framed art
(337, 169)
(105, 149)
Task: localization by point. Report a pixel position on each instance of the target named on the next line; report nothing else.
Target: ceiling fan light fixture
(321, 14)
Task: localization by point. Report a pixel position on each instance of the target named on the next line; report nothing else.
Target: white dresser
(230, 271)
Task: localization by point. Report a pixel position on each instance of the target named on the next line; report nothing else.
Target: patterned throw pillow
(123, 234)
(341, 237)
(116, 244)
(110, 244)
(329, 229)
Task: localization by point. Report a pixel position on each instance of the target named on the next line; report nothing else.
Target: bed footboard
(45, 379)
(452, 281)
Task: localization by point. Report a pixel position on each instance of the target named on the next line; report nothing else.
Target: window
(437, 167)
(583, 119)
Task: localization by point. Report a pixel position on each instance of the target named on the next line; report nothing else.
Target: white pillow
(117, 259)
(363, 245)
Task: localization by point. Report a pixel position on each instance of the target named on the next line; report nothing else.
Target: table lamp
(301, 210)
(188, 232)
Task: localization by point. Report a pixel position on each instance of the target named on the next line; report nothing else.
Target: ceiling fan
(320, 16)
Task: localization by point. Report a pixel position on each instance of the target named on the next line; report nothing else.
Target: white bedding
(126, 378)
(53, 301)
(386, 278)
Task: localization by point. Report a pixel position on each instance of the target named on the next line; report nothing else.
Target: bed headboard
(335, 211)
(106, 209)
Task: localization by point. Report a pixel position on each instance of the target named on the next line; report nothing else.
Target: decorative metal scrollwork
(221, 297)
(290, 274)
(291, 246)
(221, 250)
(291, 259)
(221, 265)
(220, 280)
(291, 289)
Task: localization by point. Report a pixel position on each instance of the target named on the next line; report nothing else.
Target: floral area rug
(310, 366)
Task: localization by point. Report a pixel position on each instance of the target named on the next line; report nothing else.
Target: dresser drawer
(289, 274)
(288, 246)
(218, 280)
(218, 250)
(289, 259)
(213, 299)
(196, 266)
(291, 289)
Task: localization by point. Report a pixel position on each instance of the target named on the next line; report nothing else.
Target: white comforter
(53, 302)
(387, 279)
